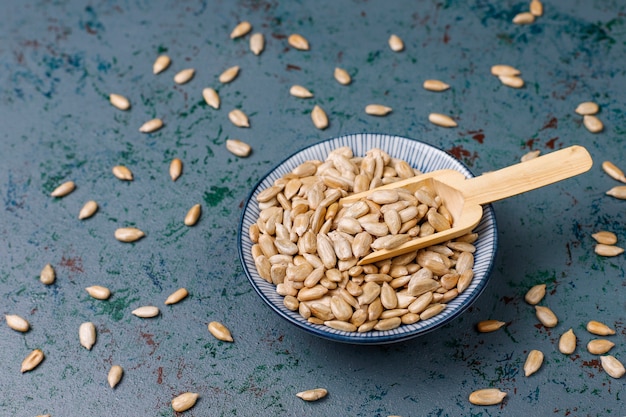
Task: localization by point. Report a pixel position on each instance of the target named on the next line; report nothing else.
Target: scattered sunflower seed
(193, 215)
(613, 171)
(504, 70)
(146, 312)
(511, 81)
(98, 292)
(487, 396)
(31, 361)
(612, 366)
(239, 118)
(530, 155)
(524, 18)
(220, 332)
(177, 296)
(546, 316)
(123, 173)
(257, 43)
(17, 323)
(119, 101)
(487, 326)
(567, 342)
(587, 108)
(63, 189)
(151, 126)
(298, 42)
(240, 30)
(161, 64)
(533, 362)
(319, 117)
(312, 394)
(115, 375)
(395, 43)
(599, 346)
(47, 275)
(299, 91)
(128, 234)
(176, 169)
(608, 250)
(88, 210)
(184, 401)
(229, 74)
(238, 148)
(535, 294)
(604, 237)
(184, 76)
(536, 8)
(441, 120)
(598, 328)
(592, 123)
(618, 192)
(211, 97)
(342, 76)
(435, 85)
(377, 110)
(87, 335)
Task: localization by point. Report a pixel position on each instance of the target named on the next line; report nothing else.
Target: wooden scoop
(463, 197)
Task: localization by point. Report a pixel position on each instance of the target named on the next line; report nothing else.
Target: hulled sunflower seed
(47, 275)
(63, 189)
(319, 117)
(536, 8)
(98, 292)
(601, 329)
(128, 234)
(612, 366)
(535, 294)
(87, 335)
(161, 64)
(599, 346)
(530, 155)
(184, 76)
(119, 101)
(487, 396)
(342, 76)
(435, 85)
(534, 360)
(17, 323)
(257, 43)
(238, 118)
(312, 394)
(238, 148)
(395, 43)
(504, 70)
(177, 296)
(432, 311)
(587, 108)
(511, 81)
(184, 401)
(592, 123)
(377, 110)
(211, 97)
(299, 91)
(487, 326)
(123, 173)
(613, 171)
(151, 126)
(193, 215)
(88, 210)
(229, 74)
(524, 18)
(546, 316)
(146, 312)
(220, 332)
(604, 237)
(33, 360)
(242, 29)
(441, 120)
(298, 42)
(115, 375)
(608, 250)
(567, 342)
(341, 325)
(176, 169)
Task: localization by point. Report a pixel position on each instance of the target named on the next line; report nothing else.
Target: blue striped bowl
(420, 155)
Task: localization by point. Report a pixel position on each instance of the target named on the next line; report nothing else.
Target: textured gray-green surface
(59, 60)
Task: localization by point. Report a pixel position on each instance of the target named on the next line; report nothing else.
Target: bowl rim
(372, 337)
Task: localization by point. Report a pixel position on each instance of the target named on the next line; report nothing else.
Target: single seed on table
(17, 323)
(599, 346)
(312, 394)
(87, 335)
(128, 234)
(604, 237)
(377, 110)
(535, 294)
(238, 118)
(613, 171)
(612, 366)
(151, 126)
(220, 332)
(146, 312)
(530, 155)
(115, 375)
(229, 74)
(608, 250)
(618, 192)
(487, 396)
(31, 361)
(299, 91)
(511, 81)
(587, 108)
(123, 173)
(592, 123)
(177, 296)
(534, 360)
(257, 43)
(238, 148)
(298, 42)
(211, 97)
(487, 326)
(536, 8)
(504, 70)
(567, 342)
(242, 29)
(319, 117)
(395, 43)
(601, 329)
(435, 85)
(98, 292)
(176, 168)
(184, 401)
(63, 189)
(342, 76)
(524, 18)
(184, 76)
(119, 101)
(193, 215)
(441, 120)
(161, 64)
(88, 210)
(546, 316)
(47, 276)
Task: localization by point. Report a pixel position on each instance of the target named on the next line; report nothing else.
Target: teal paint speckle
(216, 195)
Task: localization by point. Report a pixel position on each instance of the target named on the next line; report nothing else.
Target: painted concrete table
(59, 62)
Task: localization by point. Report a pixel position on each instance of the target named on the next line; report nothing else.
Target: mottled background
(60, 59)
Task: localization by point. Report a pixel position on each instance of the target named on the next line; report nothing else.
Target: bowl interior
(419, 155)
